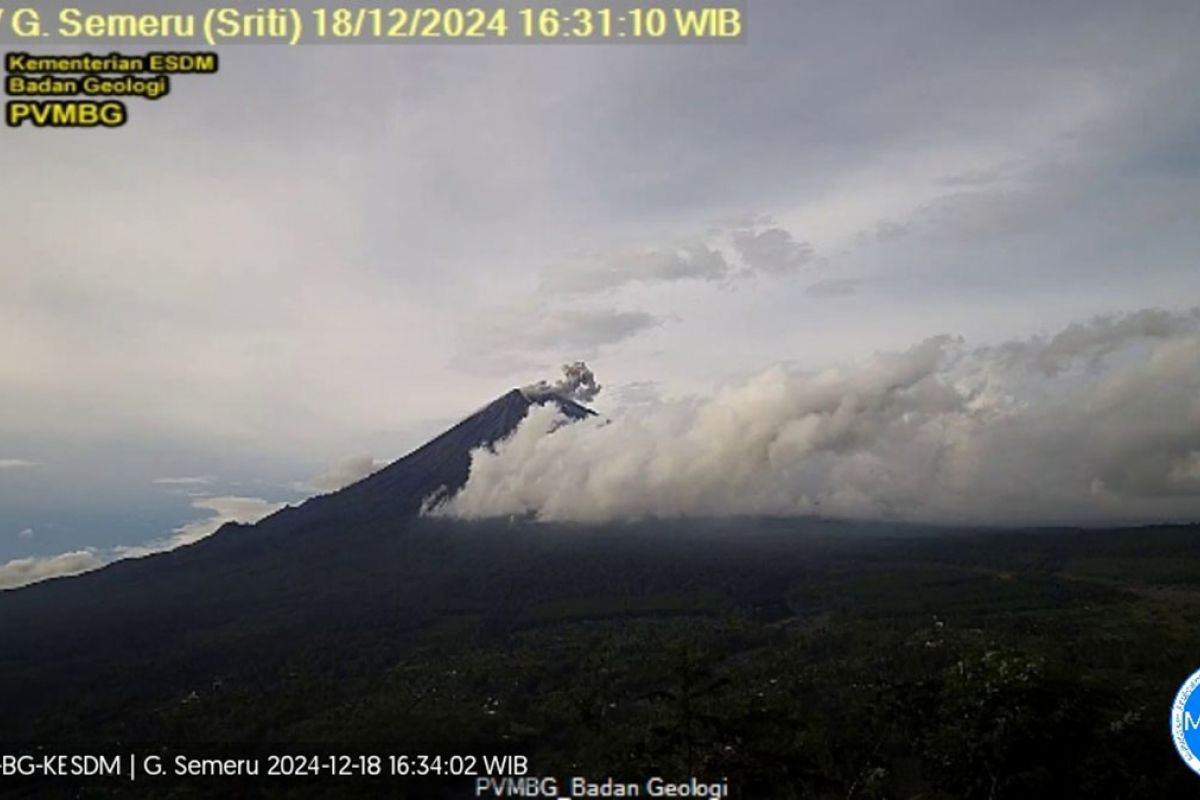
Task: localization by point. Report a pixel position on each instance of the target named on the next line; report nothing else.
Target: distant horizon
(1105, 337)
(304, 265)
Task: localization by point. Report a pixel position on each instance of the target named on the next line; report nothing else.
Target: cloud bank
(24, 571)
(1097, 424)
(224, 510)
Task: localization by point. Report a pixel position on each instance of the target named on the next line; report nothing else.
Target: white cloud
(636, 393)
(200, 480)
(345, 472)
(1090, 342)
(16, 463)
(936, 432)
(225, 510)
(23, 571)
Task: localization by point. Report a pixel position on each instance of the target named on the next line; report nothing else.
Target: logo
(1185, 722)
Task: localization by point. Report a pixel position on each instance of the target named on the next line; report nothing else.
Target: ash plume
(578, 383)
(1099, 424)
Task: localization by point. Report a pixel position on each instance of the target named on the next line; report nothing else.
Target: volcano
(439, 468)
(354, 624)
(385, 501)
(338, 563)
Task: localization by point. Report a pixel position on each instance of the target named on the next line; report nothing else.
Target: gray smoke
(578, 383)
(1098, 424)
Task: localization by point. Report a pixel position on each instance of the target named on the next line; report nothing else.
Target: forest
(790, 658)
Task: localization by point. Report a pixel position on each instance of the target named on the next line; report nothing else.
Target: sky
(287, 273)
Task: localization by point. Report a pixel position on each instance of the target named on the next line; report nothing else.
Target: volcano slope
(792, 657)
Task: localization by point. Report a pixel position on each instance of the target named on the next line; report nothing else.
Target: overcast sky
(324, 253)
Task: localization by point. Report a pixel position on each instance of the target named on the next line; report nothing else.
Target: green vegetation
(796, 659)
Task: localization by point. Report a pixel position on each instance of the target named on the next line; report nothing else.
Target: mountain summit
(440, 468)
(335, 566)
(326, 544)
(442, 465)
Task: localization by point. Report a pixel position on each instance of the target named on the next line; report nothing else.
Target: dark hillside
(798, 658)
